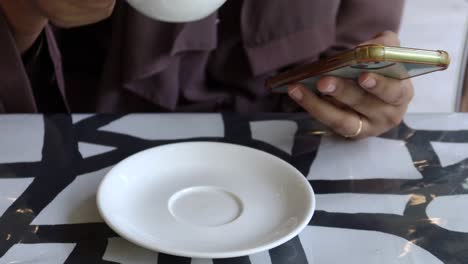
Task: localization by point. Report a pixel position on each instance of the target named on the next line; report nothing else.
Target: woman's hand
(370, 106)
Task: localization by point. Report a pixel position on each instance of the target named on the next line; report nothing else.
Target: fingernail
(296, 93)
(369, 83)
(329, 89)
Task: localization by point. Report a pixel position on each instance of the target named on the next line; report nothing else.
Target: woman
(103, 56)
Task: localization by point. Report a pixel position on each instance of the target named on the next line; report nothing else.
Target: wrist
(25, 22)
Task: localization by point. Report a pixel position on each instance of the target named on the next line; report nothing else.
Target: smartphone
(393, 62)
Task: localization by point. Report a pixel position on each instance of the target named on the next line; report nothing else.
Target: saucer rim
(311, 201)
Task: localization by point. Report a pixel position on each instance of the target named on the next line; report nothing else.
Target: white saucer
(205, 200)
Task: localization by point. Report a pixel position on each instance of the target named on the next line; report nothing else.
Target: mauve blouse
(130, 63)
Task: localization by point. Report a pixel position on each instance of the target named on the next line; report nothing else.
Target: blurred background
(439, 24)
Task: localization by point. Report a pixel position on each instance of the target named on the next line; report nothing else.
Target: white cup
(176, 11)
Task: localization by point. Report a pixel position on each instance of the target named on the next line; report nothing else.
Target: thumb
(387, 38)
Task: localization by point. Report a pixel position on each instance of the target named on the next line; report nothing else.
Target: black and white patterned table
(399, 198)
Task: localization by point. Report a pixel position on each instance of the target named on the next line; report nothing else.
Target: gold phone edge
(367, 53)
(400, 54)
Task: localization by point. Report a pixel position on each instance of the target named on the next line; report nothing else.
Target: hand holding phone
(366, 90)
(393, 62)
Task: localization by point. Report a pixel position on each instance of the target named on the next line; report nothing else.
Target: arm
(373, 104)
(30, 68)
(30, 81)
(360, 20)
(25, 22)
(15, 90)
